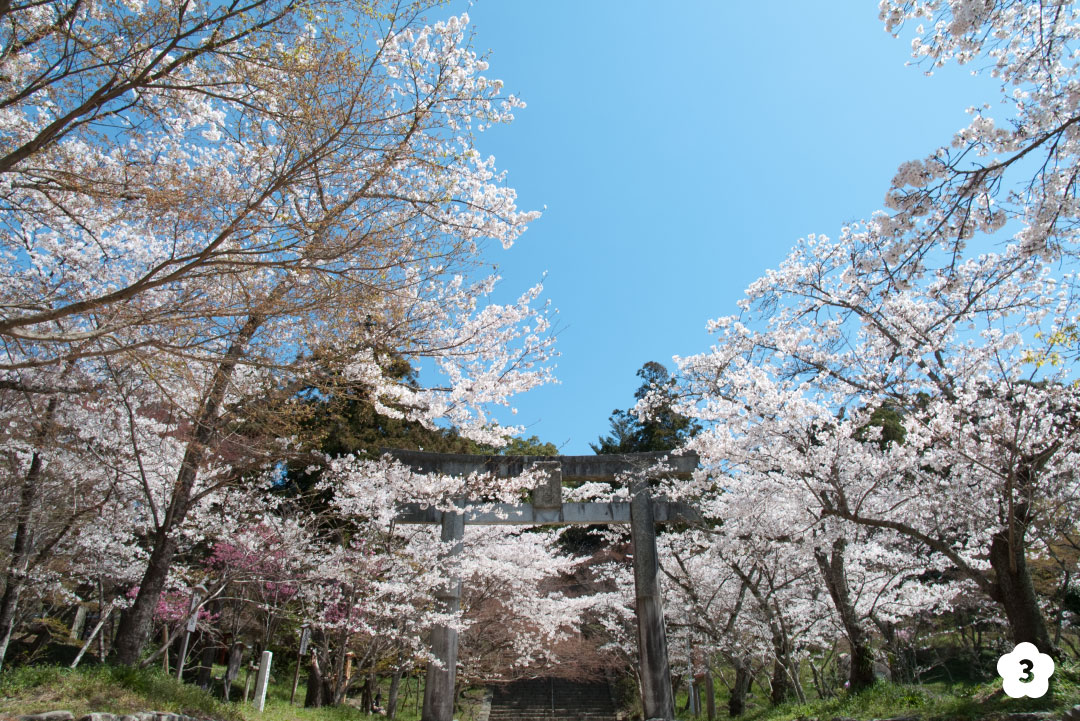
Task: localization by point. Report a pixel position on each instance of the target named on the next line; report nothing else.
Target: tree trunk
(1016, 593)
(211, 647)
(862, 658)
(1060, 615)
(392, 696)
(316, 686)
(785, 674)
(106, 614)
(206, 662)
(900, 663)
(232, 669)
(367, 693)
(20, 555)
(341, 680)
(22, 548)
(737, 700)
(136, 621)
(781, 682)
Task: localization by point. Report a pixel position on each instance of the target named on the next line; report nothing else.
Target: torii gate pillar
(656, 699)
(440, 679)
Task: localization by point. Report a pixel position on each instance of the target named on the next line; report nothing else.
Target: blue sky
(680, 150)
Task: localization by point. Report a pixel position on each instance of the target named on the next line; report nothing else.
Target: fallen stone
(1072, 714)
(49, 716)
(97, 716)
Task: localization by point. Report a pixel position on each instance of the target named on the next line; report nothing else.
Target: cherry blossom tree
(67, 483)
(1018, 171)
(169, 162)
(988, 450)
(233, 203)
(954, 311)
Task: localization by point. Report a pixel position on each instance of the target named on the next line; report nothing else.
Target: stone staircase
(552, 699)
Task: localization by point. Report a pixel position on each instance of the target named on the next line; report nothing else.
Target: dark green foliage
(1071, 600)
(889, 419)
(664, 431)
(344, 421)
(531, 446)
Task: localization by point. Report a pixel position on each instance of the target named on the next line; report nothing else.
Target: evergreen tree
(665, 430)
(346, 422)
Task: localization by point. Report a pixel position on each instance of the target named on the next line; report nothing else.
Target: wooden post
(165, 642)
(348, 673)
(101, 622)
(439, 684)
(263, 680)
(656, 696)
(79, 622)
(305, 636)
(196, 596)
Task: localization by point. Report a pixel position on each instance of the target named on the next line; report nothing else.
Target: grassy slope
(33, 689)
(112, 689)
(928, 701)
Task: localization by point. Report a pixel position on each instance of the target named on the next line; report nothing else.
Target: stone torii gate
(547, 508)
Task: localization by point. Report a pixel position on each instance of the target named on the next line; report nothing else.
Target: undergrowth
(931, 702)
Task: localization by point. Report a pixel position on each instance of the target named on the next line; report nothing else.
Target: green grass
(118, 689)
(932, 702)
(112, 689)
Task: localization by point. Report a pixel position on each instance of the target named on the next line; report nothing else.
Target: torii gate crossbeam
(547, 508)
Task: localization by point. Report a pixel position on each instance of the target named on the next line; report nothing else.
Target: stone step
(558, 717)
(547, 699)
(548, 708)
(567, 714)
(545, 705)
(547, 711)
(513, 713)
(545, 708)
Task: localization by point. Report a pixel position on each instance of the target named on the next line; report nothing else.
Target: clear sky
(680, 150)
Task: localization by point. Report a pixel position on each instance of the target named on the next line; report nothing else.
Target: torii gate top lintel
(574, 468)
(547, 506)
